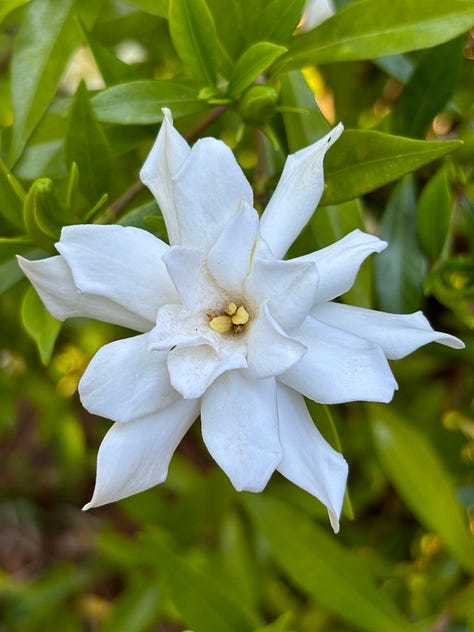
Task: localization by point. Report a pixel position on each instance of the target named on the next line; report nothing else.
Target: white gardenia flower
(230, 330)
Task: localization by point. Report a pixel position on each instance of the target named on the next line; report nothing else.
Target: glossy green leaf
(434, 210)
(39, 324)
(43, 46)
(194, 36)
(278, 20)
(87, 146)
(428, 89)
(401, 268)
(155, 7)
(251, 64)
(8, 6)
(140, 102)
(363, 160)
(11, 202)
(304, 127)
(112, 69)
(320, 566)
(201, 600)
(365, 29)
(420, 478)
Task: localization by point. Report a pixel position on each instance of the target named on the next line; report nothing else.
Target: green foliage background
(193, 553)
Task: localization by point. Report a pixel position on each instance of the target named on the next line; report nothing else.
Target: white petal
(188, 270)
(122, 263)
(208, 191)
(135, 456)
(297, 194)
(308, 459)
(193, 369)
(240, 429)
(230, 257)
(164, 161)
(339, 367)
(270, 350)
(125, 380)
(397, 334)
(175, 327)
(289, 287)
(339, 263)
(52, 279)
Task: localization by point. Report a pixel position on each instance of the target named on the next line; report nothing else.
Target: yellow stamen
(230, 309)
(241, 316)
(222, 324)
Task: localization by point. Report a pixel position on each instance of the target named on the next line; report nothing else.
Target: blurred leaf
(434, 213)
(137, 608)
(321, 567)
(251, 64)
(87, 146)
(10, 273)
(278, 20)
(155, 7)
(43, 46)
(10, 246)
(306, 127)
(362, 161)
(8, 6)
(397, 66)
(202, 601)
(40, 325)
(452, 283)
(11, 198)
(42, 215)
(140, 102)
(401, 268)
(428, 89)
(112, 69)
(421, 480)
(194, 36)
(285, 623)
(370, 28)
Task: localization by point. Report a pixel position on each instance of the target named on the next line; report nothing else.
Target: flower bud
(258, 104)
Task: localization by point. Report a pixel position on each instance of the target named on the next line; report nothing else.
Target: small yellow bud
(230, 309)
(241, 316)
(222, 324)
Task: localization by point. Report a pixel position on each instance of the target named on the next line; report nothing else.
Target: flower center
(232, 319)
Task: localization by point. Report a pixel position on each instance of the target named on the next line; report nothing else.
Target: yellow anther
(241, 316)
(222, 324)
(230, 309)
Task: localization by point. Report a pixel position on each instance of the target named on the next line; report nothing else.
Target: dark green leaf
(112, 69)
(140, 102)
(11, 199)
(87, 146)
(11, 246)
(370, 28)
(251, 64)
(401, 268)
(363, 160)
(194, 36)
(434, 213)
(10, 273)
(43, 46)
(155, 7)
(39, 324)
(278, 20)
(429, 88)
(317, 564)
(422, 481)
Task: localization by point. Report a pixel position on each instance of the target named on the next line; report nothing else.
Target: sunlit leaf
(251, 64)
(279, 19)
(8, 6)
(39, 324)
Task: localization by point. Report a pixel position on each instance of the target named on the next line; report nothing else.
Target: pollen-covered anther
(232, 319)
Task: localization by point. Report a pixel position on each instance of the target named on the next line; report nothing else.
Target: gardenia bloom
(230, 330)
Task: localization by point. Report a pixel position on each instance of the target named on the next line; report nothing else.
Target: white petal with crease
(175, 327)
(240, 429)
(122, 263)
(297, 194)
(124, 380)
(53, 281)
(135, 456)
(308, 459)
(397, 334)
(339, 367)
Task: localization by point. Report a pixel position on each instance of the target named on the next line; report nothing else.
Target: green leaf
(285, 623)
(194, 36)
(43, 46)
(11, 198)
(318, 565)
(39, 324)
(137, 608)
(11, 246)
(428, 89)
(370, 28)
(434, 214)
(42, 214)
(251, 64)
(363, 160)
(420, 478)
(155, 7)
(140, 102)
(278, 20)
(8, 6)
(401, 268)
(87, 146)
(201, 600)
(10, 273)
